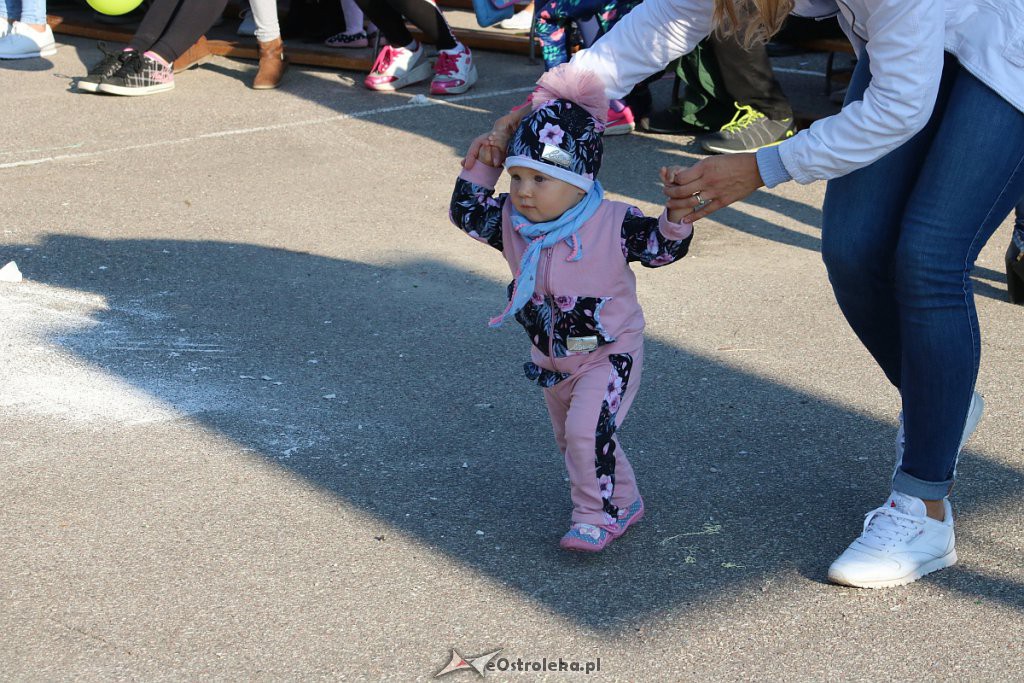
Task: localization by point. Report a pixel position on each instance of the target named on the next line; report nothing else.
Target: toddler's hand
(490, 147)
(482, 148)
(668, 178)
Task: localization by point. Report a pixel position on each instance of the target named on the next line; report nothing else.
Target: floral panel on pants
(586, 411)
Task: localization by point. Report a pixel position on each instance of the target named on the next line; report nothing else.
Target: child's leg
(264, 13)
(601, 477)
(388, 20)
(192, 19)
(428, 18)
(353, 16)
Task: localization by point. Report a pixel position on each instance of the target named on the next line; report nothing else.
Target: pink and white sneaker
(620, 121)
(628, 517)
(454, 72)
(590, 538)
(586, 538)
(397, 67)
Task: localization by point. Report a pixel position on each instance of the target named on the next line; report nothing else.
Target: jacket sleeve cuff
(673, 231)
(482, 174)
(770, 166)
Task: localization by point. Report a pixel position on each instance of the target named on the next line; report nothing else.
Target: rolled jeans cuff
(919, 488)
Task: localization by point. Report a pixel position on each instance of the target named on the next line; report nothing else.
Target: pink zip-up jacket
(582, 307)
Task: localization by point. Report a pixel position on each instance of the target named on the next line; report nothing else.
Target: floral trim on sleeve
(476, 211)
(642, 241)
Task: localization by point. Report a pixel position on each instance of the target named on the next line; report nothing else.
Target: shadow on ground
(433, 429)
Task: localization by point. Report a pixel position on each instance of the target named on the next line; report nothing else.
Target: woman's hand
(710, 184)
(490, 147)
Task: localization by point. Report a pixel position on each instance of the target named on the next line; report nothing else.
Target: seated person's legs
(168, 29)
(403, 62)
(24, 33)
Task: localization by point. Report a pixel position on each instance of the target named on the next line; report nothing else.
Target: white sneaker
(454, 72)
(397, 67)
(974, 412)
(900, 543)
(5, 27)
(520, 21)
(24, 42)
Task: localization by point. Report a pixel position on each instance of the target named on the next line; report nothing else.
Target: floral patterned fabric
(606, 443)
(545, 378)
(476, 212)
(567, 126)
(552, 320)
(555, 17)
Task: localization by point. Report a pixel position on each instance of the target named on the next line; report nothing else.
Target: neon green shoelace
(745, 116)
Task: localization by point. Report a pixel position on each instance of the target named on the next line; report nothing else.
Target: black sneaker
(669, 122)
(140, 74)
(749, 130)
(103, 69)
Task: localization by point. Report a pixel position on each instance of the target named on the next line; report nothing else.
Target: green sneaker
(749, 130)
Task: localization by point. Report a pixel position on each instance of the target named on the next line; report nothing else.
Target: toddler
(573, 289)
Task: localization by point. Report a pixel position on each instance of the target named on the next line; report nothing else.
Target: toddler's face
(540, 197)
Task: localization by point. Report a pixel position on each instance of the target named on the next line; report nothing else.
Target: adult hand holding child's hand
(490, 147)
(710, 184)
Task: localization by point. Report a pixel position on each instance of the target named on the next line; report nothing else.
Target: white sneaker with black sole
(900, 543)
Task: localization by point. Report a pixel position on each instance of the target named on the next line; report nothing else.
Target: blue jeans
(28, 11)
(899, 239)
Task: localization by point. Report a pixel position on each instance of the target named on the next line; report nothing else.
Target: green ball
(114, 7)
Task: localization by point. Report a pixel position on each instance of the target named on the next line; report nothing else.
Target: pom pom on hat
(566, 82)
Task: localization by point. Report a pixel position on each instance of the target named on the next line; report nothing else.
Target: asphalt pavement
(254, 426)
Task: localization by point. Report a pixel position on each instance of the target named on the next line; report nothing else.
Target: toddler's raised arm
(474, 209)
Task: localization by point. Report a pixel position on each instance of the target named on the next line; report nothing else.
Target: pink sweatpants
(586, 409)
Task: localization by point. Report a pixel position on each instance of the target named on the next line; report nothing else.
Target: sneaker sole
(45, 52)
(586, 547)
(458, 90)
(710, 148)
(87, 87)
(621, 129)
(420, 73)
(134, 92)
(935, 565)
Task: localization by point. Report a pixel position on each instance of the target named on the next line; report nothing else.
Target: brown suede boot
(194, 56)
(273, 64)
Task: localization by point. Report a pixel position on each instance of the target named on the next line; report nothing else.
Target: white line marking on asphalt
(263, 129)
(41, 149)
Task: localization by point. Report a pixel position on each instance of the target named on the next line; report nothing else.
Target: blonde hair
(752, 21)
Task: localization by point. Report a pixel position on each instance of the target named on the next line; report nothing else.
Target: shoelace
(106, 67)
(384, 59)
(131, 65)
(885, 527)
(447, 64)
(745, 116)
